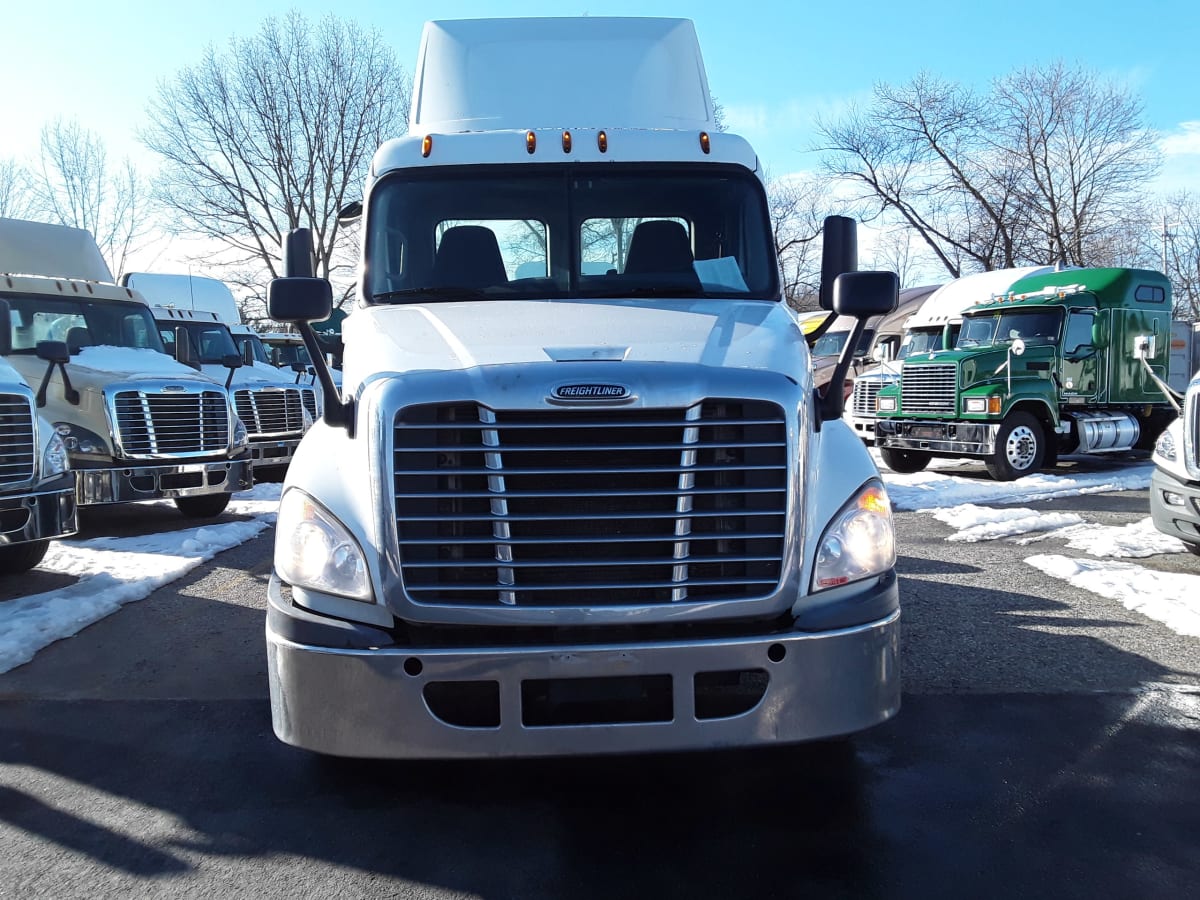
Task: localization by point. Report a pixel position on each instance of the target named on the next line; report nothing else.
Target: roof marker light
(427, 145)
(602, 141)
(566, 142)
(704, 142)
(530, 141)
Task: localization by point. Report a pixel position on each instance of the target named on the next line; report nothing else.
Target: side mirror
(5, 329)
(839, 254)
(299, 299)
(183, 348)
(53, 351)
(865, 294)
(247, 354)
(882, 352)
(232, 361)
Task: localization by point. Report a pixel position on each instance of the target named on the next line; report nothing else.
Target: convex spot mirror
(53, 351)
(1018, 347)
(865, 294)
(232, 361)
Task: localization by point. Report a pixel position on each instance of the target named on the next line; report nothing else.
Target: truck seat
(468, 257)
(659, 246)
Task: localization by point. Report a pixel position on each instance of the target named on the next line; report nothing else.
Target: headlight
(1165, 446)
(81, 441)
(55, 460)
(241, 437)
(314, 550)
(887, 404)
(859, 543)
(976, 404)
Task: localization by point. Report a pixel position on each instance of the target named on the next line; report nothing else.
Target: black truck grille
(17, 444)
(562, 508)
(270, 411)
(153, 425)
(929, 389)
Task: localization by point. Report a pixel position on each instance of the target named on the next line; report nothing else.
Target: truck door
(1082, 375)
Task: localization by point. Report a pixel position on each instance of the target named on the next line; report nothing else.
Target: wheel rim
(1021, 447)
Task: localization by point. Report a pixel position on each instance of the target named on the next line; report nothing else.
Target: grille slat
(931, 388)
(17, 434)
(590, 507)
(181, 423)
(866, 390)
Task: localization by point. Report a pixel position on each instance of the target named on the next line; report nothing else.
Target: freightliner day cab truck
(579, 495)
(932, 326)
(137, 425)
(1175, 484)
(37, 488)
(1073, 361)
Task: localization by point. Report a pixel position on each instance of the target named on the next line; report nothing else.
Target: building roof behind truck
(57, 251)
(184, 291)
(948, 302)
(499, 74)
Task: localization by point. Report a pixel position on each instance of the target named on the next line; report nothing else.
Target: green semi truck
(1071, 361)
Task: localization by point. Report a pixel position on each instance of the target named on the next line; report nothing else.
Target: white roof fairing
(497, 74)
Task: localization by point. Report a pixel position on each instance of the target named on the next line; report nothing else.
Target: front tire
(904, 462)
(17, 558)
(1020, 447)
(206, 506)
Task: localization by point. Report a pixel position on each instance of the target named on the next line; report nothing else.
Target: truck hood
(455, 336)
(97, 367)
(984, 363)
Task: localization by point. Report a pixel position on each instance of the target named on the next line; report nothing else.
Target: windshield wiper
(432, 294)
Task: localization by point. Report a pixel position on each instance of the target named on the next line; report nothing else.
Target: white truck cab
(578, 494)
(137, 425)
(37, 487)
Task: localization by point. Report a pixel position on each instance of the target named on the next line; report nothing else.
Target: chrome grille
(862, 402)
(562, 508)
(309, 396)
(929, 388)
(17, 441)
(152, 425)
(270, 411)
(1191, 424)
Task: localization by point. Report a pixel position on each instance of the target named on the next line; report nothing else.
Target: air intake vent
(568, 508)
(153, 425)
(17, 442)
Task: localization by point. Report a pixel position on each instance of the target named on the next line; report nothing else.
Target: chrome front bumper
(270, 453)
(128, 484)
(393, 702)
(957, 438)
(39, 516)
(1180, 520)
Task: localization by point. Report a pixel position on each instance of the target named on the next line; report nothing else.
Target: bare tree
(76, 186)
(797, 206)
(1177, 251)
(17, 200)
(274, 134)
(1084, 155)
(1045, 167)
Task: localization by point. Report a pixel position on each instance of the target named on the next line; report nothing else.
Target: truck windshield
(920, 342)
(80, 323)
(543, 232)
(211, 341)
(1033, 326)
(256, 346)
(831, 343)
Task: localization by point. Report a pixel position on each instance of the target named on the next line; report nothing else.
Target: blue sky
(773, 65)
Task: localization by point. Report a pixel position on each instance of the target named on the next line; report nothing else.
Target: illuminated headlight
(81, 441)
(314, 550)
(859, 543)
(55, 460)
(1165, 446)
(887, 404)
(976, 404)
(241, 437)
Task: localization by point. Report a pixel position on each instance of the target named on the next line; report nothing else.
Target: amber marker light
(602, 141)
(566, 142)
(427, 145)
(874, 500)
(705, 145)
(994, 404)
(530, 141)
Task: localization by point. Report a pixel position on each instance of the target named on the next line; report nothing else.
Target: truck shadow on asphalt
(982, 778)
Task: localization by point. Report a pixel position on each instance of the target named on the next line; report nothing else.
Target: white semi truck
(37, 487)
(579, 494)
(1175, 483)
(137, 425)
